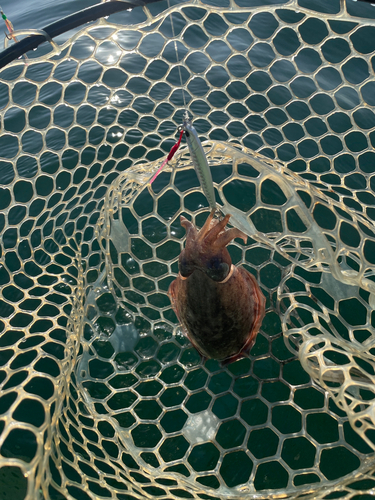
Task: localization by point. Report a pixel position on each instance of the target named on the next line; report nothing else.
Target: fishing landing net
(102, 395)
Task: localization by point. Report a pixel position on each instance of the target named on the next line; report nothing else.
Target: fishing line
(180, 129)
(197, 153)
(176, 52)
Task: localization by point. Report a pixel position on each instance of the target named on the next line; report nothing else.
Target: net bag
(102, 394)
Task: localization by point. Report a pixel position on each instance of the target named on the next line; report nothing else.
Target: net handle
(66, 24)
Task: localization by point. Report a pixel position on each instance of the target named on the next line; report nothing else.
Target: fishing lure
(198, 157)
(10, 34)
(9, 26)
(168, 158)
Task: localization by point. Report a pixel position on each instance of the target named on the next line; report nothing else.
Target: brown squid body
(220, 306)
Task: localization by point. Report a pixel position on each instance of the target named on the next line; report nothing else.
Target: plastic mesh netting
(102, 395)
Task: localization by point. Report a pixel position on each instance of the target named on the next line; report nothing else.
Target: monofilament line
(176, 51)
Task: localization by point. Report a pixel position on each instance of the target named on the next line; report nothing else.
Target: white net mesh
(102, 396)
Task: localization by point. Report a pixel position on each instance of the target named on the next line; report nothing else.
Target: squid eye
(184, 267)
(217, 270)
